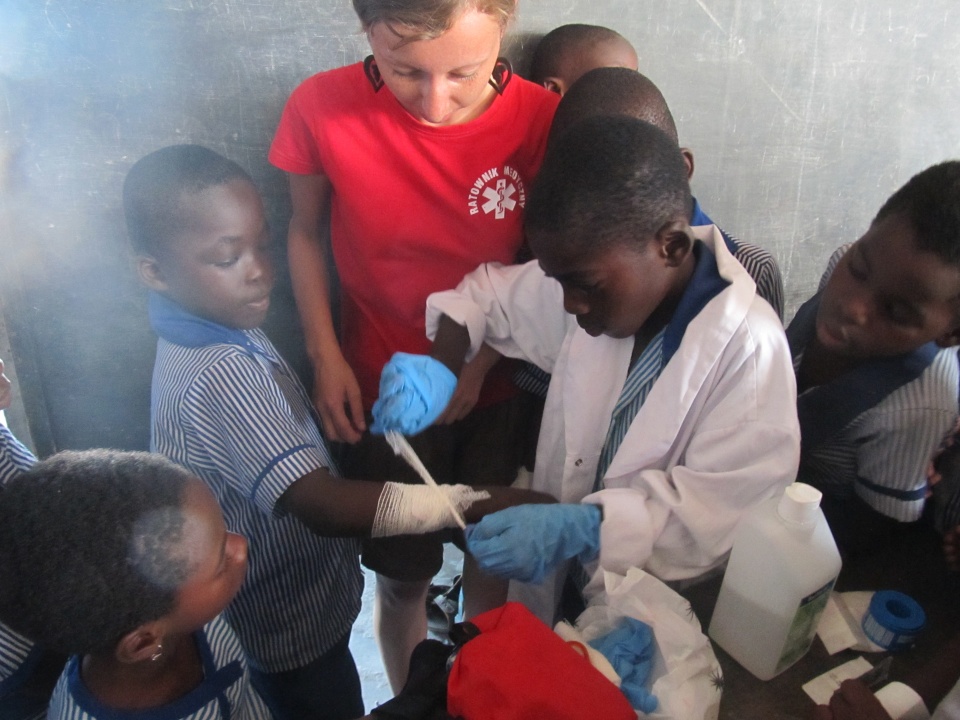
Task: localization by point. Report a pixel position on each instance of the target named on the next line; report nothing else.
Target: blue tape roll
(893, 620)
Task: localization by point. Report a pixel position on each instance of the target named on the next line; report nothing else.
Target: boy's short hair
(608, 180)
(89, 546)
(614, 91)
(155, 184)
(931, 202)
(566, 40)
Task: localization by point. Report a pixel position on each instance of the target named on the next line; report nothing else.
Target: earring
(157, 654)
(372, 72)
(500, 77)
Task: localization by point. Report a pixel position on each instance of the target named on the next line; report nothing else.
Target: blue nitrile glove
(630, 649)
(528, 541)
(414, 390)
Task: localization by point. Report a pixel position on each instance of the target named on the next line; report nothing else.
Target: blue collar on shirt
(216, 682)
(698, 217)
(705, 284)
(826, 409)
(174, 324)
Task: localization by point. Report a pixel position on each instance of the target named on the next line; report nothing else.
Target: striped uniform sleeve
(832, 264)
(763, 268)
(15, 459)
(899, 438)
(253, 428)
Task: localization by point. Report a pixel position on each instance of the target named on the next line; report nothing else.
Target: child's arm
(514, 309)
(469, 384)
(932, 683)
(336, 392)
(332, 506)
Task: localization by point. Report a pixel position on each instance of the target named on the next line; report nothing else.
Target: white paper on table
(822, 687)
(840, 625)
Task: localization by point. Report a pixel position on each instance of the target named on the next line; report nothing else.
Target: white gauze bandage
(417, 509)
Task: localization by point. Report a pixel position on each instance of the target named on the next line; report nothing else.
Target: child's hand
(6, 391)
(414, 390)
(853, 701)
(468, 387)
(336, 395)
(527, 542)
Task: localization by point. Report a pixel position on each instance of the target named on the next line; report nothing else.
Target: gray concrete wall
(804, 116)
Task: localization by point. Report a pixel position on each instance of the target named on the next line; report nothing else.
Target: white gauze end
(417, 509)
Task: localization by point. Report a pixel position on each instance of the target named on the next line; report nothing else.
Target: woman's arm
(336, 393)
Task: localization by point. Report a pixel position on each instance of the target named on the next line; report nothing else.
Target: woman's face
(443, 80)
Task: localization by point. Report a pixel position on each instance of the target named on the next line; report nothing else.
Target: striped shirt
(14, 457)
(18, 655)
(641, 378)
(758, 262)
(224, 694)
(242, 422)
(882, 454)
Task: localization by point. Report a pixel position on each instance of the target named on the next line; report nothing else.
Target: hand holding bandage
(414, 390)
(527, 542)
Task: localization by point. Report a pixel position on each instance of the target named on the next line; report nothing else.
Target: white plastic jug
(782, 568)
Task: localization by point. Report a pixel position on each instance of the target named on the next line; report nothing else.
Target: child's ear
(554, 85)
(688, 160)
(140, 644)
(148, 268)
(675, 240)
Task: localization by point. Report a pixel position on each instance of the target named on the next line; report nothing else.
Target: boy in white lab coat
(671, 409)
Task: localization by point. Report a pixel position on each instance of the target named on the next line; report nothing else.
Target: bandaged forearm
(417, 509)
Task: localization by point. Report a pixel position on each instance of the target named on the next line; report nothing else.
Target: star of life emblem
(498, 191)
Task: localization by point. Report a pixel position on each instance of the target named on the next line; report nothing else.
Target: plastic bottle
(782, 568)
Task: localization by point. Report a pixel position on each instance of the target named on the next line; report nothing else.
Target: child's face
(217, 560)
(886, 298)
(444, 80)
(611, 292)
(219, 267)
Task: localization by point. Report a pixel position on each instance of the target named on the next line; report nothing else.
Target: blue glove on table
(528, 541)
(630, 649)
(414, 390)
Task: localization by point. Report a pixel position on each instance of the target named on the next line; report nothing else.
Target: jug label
(804, 626)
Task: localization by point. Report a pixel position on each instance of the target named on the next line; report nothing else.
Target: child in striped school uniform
(122, 560)
(876, 364)
(226, 406)
(19, 655)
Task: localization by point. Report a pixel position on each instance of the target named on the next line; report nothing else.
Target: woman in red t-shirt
(421, 157)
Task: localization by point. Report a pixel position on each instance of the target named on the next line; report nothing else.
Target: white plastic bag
(686, 677)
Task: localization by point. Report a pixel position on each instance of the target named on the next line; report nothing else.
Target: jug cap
(799, 504)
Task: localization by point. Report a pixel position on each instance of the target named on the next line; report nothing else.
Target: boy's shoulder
(938, 386)
(180, 367)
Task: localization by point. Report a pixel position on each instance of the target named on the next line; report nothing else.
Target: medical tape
(893, 620)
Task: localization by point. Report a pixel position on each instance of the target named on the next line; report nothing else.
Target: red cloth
(518, 668)
(414, 208)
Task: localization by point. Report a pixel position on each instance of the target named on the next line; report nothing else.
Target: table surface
(912, 563)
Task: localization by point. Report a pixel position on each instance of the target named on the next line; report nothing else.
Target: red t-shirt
(414, 208)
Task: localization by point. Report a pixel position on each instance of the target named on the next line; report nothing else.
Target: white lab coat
(718, 432)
